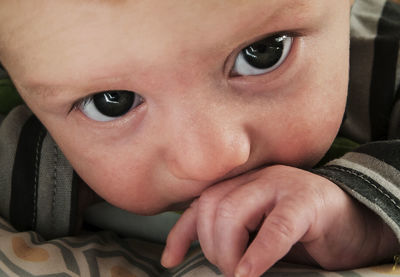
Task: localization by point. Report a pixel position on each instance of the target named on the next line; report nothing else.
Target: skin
(203, 135)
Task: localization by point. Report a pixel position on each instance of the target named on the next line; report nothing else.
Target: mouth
(242, 170)
(181, 206)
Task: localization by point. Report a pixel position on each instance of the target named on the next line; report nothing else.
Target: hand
(290, 210)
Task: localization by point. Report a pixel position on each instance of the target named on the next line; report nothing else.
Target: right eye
(263, 56)
(109, 105)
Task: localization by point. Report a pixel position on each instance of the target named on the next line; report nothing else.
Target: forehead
(71, 34)
(45, 18)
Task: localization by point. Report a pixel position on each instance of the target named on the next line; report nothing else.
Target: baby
(222, 106)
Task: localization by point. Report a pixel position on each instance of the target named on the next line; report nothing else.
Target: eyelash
(290, 34)
(80, 102)
(294, 35)
(109, 105)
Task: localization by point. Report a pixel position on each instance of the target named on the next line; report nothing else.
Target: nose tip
(209, 158)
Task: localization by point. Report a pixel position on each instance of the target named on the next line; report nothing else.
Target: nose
(206, 149)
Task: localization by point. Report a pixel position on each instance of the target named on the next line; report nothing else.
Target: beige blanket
(106, 254)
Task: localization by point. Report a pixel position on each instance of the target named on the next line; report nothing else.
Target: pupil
(114, 103)
(265, 53)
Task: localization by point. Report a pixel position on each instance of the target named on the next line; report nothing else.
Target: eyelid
(230, 61)
(81, 101)
(78, 104)
(130, 121)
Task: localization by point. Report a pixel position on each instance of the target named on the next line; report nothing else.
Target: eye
(263, 56)
(109, 105)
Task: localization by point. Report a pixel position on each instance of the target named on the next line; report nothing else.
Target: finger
(207, 208)
(180, 238)
(283, 227)
(239, 213)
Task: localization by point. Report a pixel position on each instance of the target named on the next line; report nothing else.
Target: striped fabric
(38, 190)
(38, 185)
(371, 173)
(373, 111)
(106, 254)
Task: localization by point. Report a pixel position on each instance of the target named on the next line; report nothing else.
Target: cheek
(317, 125)
(126, 183)
(306, 117)
(115, 171)
(320, 107)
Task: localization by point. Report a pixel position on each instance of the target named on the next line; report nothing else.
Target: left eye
(263, 56)
(110, 105)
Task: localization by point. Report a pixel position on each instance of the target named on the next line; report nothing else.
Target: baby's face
(155, 101)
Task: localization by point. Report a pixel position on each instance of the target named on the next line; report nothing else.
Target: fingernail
(243, 270)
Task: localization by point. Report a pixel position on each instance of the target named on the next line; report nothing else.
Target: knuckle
(205, 201)
(227, 208)
(263, 244)
(281, 227)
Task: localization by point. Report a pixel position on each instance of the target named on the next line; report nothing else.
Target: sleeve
(371, 172)
(373, 106)
(38, 185)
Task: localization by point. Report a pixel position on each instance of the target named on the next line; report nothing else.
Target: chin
(141, 208)
(155, 209)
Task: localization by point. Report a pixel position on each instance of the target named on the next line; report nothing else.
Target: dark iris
(265, 53)
(114, 103)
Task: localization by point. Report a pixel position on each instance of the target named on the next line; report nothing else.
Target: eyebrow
(109, 2)
(289, 7)
(281, 9)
